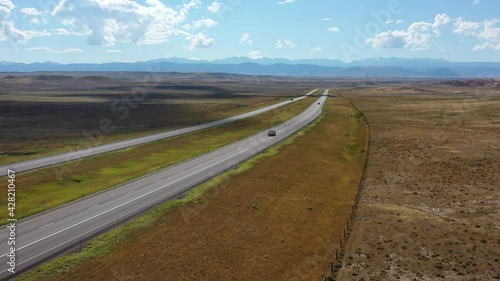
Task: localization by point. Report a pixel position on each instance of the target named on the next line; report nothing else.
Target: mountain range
(367, 68)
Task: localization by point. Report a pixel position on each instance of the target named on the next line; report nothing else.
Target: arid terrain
(278, 217)
(429, 206)
(429, 202)
(49, 113)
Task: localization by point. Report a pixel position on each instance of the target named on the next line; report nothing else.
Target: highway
(95, 150)
(45, 235)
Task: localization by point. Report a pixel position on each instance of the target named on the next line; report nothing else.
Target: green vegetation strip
(43, 189)
(105, 243)
(196, 111)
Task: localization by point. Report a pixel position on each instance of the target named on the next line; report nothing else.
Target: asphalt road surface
(82, 153)
(45, 235)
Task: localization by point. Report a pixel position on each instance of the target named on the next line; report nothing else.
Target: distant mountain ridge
(373, 67)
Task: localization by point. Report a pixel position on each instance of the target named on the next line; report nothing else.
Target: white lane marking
(83, 153)
(94, 206)
(44, 226)
(83, 234)
(116, 207)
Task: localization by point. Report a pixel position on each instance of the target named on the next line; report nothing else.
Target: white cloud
(255, 55)
(415, 38)
(475, 2)
(114, 51)
(214, 7)
(41, 49)
(389, 21)
(439, 21)
(199, 41)
(7, 29)
(285, 2)
(200, 24)
(467, 28)
(281, 43)
(245, 39)
(326, 19)
(30, 11)
(110, 22)
(389, 39)
(490, 32)
(72, 51)
(333, 29)
(316, 49)
(45, 49)
(487, 45)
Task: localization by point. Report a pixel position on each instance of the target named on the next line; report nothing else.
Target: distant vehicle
(319, 103)
(271, 133)
(291, 99)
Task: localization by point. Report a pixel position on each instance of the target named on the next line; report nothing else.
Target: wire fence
(341, 249)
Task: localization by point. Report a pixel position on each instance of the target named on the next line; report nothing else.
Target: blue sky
(68, 31)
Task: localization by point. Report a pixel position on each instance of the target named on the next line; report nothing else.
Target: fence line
(341, 250)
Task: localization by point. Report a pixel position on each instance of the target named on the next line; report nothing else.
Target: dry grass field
(279, 220)
(429, 207)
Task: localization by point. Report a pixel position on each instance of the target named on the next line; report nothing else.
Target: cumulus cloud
(490, 35)
(255, 55)
(200, 24)
(245, 39)
(214, 7)
(487, 45)
(109, 22)
(30, 11)
(282, 43)
(439, 21)
(467, 28)
(491, 32)
(199, 41)
(333, 29)
(326, 19)
(415, 38)
(389, 39)
(7, 29)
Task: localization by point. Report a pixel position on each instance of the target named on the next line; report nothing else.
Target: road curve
(95, 150)
(42, 236)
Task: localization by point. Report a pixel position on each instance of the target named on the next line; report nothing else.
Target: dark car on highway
(271, 133)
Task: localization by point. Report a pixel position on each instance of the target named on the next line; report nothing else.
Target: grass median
(271, 218)
(60, 131)
(50, 187)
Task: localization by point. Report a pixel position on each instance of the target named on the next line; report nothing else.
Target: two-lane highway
(95, 150)
(45, 235)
